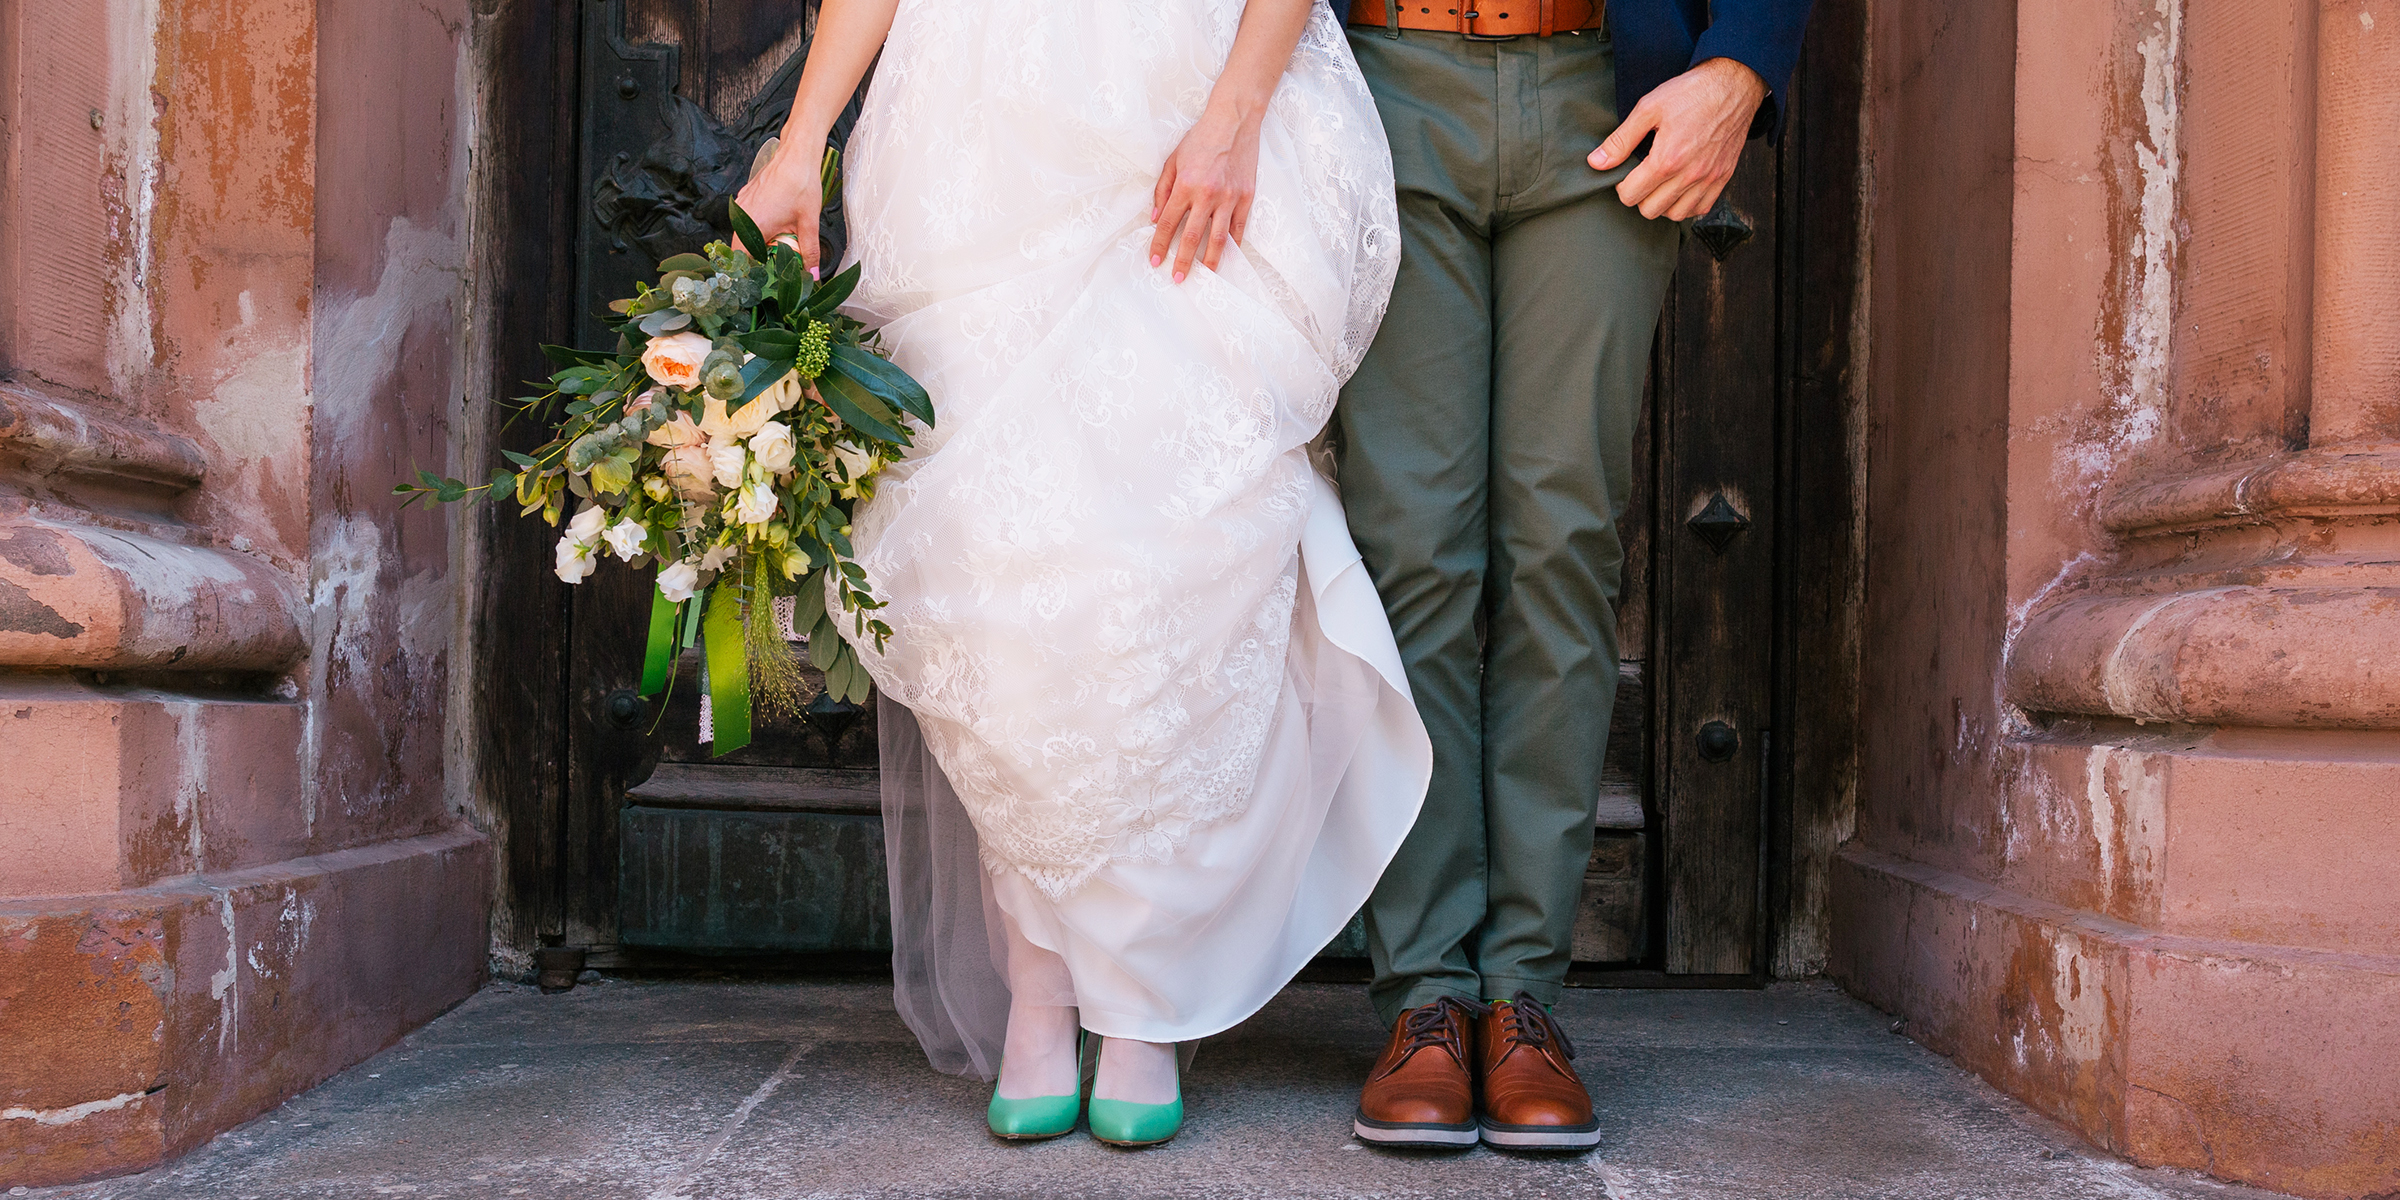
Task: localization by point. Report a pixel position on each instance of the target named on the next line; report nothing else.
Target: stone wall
(230, 244)
(2132, 760)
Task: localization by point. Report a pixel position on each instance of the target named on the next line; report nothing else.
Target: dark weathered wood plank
(759, 789)
(519, 611)
(1716, 417)
(1823, 566)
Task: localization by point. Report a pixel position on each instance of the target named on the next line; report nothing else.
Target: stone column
(2153, 896)
(2355, 370)
(227, 868)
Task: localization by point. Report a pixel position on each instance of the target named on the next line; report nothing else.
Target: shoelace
(1529, 1024)
(1429, 1025)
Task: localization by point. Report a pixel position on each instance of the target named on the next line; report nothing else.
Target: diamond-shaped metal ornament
(1722, 229)
(1719, 523)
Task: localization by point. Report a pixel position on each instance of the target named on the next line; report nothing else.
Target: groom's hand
(1701, 117)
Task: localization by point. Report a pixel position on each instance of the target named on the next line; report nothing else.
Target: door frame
(520, 618)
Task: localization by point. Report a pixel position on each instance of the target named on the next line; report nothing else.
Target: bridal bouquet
(726, 440)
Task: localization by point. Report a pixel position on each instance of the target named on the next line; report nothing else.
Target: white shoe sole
(1423, 1137)
(1520, 1137)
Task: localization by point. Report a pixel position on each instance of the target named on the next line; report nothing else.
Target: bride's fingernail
(1156, 259)
(1179, 277)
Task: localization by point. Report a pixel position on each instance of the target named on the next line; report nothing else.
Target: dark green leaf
(568, 356)
(758, 375)
(747, 230)
(522, 460)
(781, 345)
(830, 294)
(885, 380)
(502, 482)
(859, 408)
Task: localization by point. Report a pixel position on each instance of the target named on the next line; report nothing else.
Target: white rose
(626, 538)
(858, 463)
(688, 472)
(755, 504)
(675, 360)
(587, 524)
(773, 446)
(575, 560)
(679, 582)
(726, 460)
(784, 394)
(716, 424)
(678, 431)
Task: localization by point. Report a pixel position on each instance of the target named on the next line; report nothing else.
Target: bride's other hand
(786, 199)
(1202, 201)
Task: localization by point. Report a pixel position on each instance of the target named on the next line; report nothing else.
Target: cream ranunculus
(772, 444)
(753, 416)
(587, 524)
(688, 472)
(675, 360)
(679, 582)
(678, 431)
(625, 539)
(755, 504)
(727, 460)
(575, 559)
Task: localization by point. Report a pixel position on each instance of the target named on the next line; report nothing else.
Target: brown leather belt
(1485, 19)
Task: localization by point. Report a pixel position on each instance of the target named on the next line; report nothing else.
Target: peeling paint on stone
(133, 155)
(69, 1115)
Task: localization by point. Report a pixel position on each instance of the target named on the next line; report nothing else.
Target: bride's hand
(1202, 201)
(785, 199)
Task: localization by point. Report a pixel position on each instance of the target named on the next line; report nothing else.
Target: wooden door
(642, 844)
(669, 848)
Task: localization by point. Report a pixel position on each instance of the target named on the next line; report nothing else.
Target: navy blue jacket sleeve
(1763, 35)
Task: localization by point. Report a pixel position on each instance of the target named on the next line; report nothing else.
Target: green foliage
(768, 319)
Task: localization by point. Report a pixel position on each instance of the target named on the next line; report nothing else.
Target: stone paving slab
(742, 1090)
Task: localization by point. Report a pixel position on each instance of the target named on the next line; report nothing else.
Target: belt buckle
(1468, 18)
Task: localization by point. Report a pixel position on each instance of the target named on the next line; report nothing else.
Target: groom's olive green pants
(1485, 455)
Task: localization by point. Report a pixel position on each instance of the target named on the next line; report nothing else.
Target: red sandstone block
(2279, 838)
(2264, 1064)
(113, 791)
(161, 1017)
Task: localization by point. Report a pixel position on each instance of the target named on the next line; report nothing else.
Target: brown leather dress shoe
(1421, 1094)
(1532, 1097)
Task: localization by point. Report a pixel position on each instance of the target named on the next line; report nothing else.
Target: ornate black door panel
(776, 847)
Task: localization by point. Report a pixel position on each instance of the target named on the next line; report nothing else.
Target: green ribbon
(728, 655)
(658, 661)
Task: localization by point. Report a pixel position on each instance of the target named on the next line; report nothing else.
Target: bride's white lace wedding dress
(1128, 617)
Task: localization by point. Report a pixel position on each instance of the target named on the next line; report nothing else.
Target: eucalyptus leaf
(686, 262)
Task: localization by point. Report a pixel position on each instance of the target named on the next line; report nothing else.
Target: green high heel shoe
(1125, 1123)
(1038, 1118)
